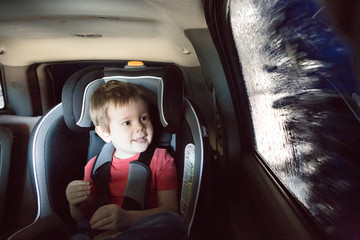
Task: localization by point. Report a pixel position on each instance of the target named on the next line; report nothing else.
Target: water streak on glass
(301, 85)
(2, 100)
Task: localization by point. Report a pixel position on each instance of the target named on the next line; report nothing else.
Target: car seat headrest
(163, 86)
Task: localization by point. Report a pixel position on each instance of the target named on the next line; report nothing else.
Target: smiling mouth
(140, 140)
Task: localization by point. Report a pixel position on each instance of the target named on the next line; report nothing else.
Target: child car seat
(59, 144)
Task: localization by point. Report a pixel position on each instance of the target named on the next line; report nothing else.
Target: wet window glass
(305, 105)
(2, 100)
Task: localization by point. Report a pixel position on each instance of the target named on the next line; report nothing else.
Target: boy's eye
(126, 123)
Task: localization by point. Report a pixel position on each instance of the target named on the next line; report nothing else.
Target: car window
(302, 91)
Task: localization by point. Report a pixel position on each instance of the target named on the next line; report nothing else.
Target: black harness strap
(138, 183)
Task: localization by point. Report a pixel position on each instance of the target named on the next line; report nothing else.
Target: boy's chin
(139, 148)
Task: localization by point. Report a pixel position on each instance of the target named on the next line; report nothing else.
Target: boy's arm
(83, 206)
(79, 198)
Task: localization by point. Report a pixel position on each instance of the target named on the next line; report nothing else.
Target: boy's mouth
(140, 140)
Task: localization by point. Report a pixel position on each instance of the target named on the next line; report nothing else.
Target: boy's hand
(110, 217)
(77, 191)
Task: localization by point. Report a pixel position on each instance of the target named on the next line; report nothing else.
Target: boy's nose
(140, 126)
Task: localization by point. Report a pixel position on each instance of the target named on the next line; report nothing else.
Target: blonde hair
(113, 92)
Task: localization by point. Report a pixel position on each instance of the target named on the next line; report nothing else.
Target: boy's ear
(103, 134)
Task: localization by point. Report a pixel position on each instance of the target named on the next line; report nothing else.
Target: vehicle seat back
(19, 200)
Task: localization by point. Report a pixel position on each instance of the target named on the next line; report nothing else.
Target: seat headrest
(163, 86)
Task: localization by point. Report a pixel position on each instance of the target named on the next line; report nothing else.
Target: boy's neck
(120, 155)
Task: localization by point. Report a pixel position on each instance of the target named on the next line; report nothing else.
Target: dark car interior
(258, 102)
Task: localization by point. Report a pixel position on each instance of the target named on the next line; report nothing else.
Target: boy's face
(131, 130)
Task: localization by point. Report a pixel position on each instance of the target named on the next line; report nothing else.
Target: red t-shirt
(163, 176)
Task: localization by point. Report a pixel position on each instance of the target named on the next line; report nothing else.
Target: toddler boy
(120, 115)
